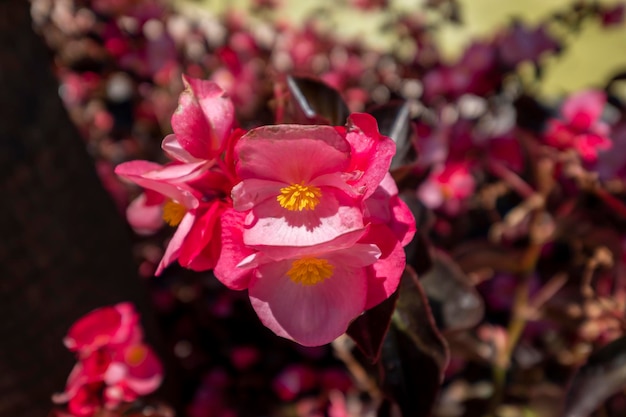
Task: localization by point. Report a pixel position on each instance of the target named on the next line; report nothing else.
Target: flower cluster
(314, 229)
(114, 364)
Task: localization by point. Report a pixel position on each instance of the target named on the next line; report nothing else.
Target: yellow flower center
(299, 197)
(135, 355)
(310, 271)
(173, 213)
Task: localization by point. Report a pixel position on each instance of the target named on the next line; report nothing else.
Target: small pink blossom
(114, 365)
(447, 187)
(580, 127)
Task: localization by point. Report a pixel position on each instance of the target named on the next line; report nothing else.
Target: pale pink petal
(144, 219)
(252, 191)
(270, 224)
(430, 194)
(173, 247)
(310, 315)
(203, 119)
(233, 252)
(291, 153)
(276, 253)
(358, 255)
(371, 151)
(172, 147)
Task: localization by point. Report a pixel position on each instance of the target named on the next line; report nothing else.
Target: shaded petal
(270, 224)
(233, 252)
(173, 247)
(201, 247)
(310, 315)
(291, 153)
(384, 276)
(277, 253)
(252, 191)
(371, 151)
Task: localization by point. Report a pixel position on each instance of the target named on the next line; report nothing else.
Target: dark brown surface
(63, 250)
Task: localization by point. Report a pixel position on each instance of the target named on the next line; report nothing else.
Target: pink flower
(304, 185)
(310, 295)
(580, 127)
(179, 204)
(447, 187)
(190, 193)
(114, 365)
(101, 327)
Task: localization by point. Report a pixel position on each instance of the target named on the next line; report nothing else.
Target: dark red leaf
(314, 102)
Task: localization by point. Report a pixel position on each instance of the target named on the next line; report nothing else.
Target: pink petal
(203, 119)
(172, 147)
(272, 225)
(173, 247)
(100, 327)
(584, 108)
(233, 252)
(168, 180)
(371, 151)
(277, 253)
(201, 245)
(384, 276)
(310, 315)
(402, 222)
(291, 153)
(252, 191)
(143, 218)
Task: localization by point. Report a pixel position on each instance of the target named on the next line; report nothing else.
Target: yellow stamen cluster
(299, 197)
(173, 213)
(310, 271)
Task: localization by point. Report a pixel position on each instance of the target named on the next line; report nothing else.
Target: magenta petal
(384, 276)
(173, 247)
(310, 315)
(203, 234)
(233, 252)
(402, 223)
(168, 180)
(371, 151)
(291, 153)
(269, 224)
(203, 119)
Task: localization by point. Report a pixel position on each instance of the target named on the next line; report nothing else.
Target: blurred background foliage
(593, 54)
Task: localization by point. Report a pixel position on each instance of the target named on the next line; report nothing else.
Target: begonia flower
(580, 127)
(447, 187)
(304, 185)
(114, 365)
(310, 295)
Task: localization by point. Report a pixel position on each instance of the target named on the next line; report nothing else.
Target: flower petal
(291, 153)
(272, 225)
(310, 315)
(203, 119)
(173, 247)
(145, 219)
(371, 151)
(233, 252)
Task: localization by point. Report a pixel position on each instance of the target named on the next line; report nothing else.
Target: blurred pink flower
(114, 365)
(580, 127)
(447, 187)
